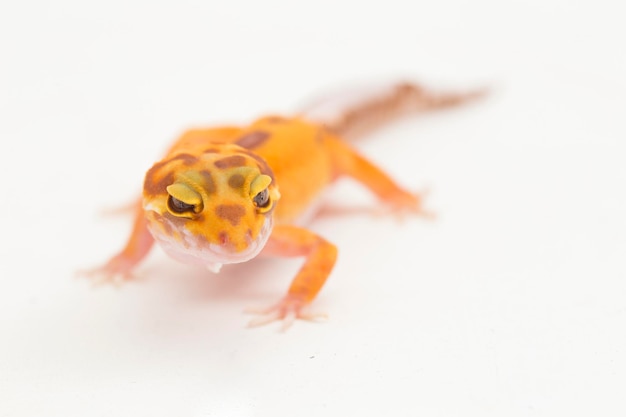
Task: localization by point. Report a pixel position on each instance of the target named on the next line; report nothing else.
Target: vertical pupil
(262, 198)
(179, 206)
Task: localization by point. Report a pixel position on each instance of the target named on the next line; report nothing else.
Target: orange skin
(221, 195)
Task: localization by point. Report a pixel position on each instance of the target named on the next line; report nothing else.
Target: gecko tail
(359, 112)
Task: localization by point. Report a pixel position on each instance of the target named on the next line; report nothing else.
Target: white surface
(512, 303)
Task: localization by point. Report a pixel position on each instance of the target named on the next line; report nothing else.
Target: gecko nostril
(223, 238)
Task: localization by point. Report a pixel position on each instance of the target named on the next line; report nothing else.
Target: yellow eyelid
(274, 194)
(185, 194)
(259, 184)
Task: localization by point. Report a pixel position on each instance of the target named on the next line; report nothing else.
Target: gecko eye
(183, 201)
(178, 206)
(262, 199)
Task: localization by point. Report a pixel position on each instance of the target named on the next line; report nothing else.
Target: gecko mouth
(198, 251)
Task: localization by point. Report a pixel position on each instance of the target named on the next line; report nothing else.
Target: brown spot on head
(236, 181)
(261, 164)
(211, 150)
(209, 183)
(230, 162)
(253, 139)
(231, 212)
(154, 187)
(185, 157)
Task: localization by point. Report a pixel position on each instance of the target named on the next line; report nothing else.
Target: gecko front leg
(320, 256)
(119, 267)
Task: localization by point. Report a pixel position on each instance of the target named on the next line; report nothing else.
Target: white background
(513, 302)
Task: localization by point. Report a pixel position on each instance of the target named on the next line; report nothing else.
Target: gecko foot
(408, 204)
(116, 271)
(286, 310)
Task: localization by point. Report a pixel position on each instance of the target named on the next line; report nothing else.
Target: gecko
(227, 194)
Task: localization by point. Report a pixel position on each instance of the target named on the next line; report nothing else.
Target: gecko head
(211, 209)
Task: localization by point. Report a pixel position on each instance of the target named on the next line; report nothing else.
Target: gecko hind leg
(348, 162)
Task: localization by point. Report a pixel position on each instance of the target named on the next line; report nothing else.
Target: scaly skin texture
(221, 195)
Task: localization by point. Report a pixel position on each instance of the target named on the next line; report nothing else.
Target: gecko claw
(407, 204)
(287, 310)
(115, 272)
